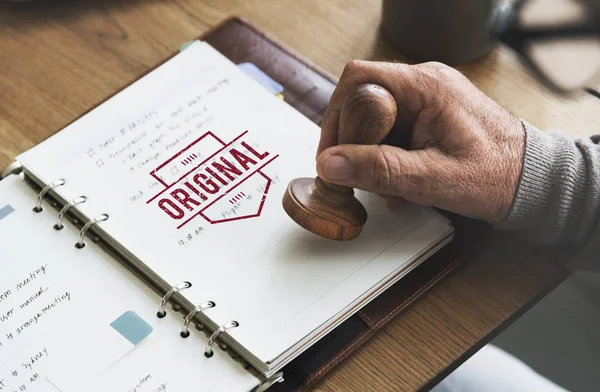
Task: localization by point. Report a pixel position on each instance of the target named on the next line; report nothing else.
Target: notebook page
(191, 163)
(67, 315)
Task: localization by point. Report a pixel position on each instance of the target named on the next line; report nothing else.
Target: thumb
(378, 169)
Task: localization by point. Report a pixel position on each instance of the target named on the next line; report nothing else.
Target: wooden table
(58, 60)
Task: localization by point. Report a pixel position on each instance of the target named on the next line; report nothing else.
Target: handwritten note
(33, 302)
(149, 384)
(27, 302)
(46, 288)
(23, 375)
(140, 142)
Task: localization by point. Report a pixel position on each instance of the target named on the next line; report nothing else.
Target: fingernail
(338, 168)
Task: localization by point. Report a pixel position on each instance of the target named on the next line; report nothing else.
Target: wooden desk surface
(58, 60)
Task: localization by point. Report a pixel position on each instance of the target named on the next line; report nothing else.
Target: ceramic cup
(449, 31)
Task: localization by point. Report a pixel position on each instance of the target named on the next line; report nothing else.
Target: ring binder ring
(100, 218)
(186, 322)
(269, 382)
(63, 211)
(52, 185)
(163, 303)
(231, 324)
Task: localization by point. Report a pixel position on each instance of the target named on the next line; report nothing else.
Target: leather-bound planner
(149, 248)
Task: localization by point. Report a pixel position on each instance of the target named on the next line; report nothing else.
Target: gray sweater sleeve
(557, 201)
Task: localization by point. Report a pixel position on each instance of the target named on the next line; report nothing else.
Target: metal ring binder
(84, 229)
(186, 322)
(163, 303)
(269, 382)
(209, 352)
(63, 211)
(52, 185)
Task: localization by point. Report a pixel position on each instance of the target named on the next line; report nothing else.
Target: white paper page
(58, 311)
(131, 155)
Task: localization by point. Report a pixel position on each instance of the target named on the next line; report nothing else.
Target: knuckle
(385, 170)
(434, 65)
(354, 67)
(396, 67)
(440, 73)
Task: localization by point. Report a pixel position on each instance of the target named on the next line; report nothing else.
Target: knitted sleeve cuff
(557, 197)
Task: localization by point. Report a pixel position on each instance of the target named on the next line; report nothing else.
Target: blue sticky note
(5, 211)
(261, 77)
(132, 327)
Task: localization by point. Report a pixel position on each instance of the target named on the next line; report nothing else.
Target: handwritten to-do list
(28, 304)
(46, 286)
(141, 142)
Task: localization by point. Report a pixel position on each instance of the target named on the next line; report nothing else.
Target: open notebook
(182, 174)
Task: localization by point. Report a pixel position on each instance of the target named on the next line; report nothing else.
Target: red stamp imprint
(210, 176)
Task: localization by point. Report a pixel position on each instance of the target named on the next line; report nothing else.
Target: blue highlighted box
(265, 80)
(5, 211)
(254, 72)
(132, 327)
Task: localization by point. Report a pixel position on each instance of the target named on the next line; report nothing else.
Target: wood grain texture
(329, 210)
(58, 60)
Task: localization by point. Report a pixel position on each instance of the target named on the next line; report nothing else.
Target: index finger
(391, 76)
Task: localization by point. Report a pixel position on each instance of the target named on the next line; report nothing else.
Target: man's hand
(465, 153)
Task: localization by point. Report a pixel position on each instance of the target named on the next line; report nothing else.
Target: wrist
(511, 168)
(550, 197)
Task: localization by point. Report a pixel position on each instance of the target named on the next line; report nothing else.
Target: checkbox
(174, 170)
(91, 153)
(100, 162)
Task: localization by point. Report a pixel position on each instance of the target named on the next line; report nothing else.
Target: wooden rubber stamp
(332, 211)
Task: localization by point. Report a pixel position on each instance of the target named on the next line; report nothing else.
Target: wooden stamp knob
(332, 211)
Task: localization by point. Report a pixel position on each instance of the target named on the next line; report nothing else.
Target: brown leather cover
(308, 88)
